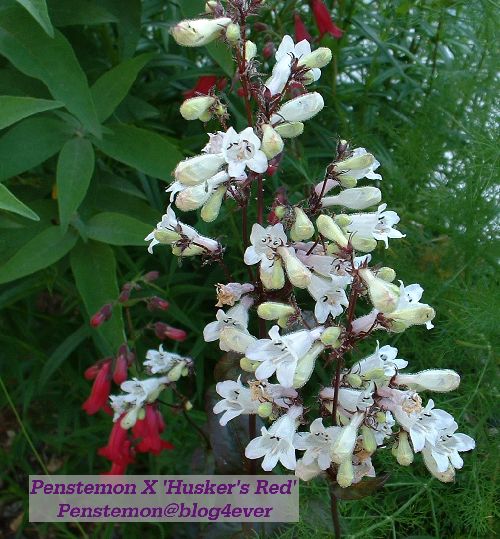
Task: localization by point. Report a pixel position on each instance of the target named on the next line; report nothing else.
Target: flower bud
(356, 163)
(366, 245)
(250, 50)
(347, 181)
(233, 33)
(103, 315)
(358, 198)
(343, 446)
(354, 380)
(380, 417)
(166, 236)
(248, 365)
(192, 198)
(386, 274)
(190, 250)
(130, 418)
(155, 302)
(188, 406)
(265, 409)
(195, 33)
(330, 336)
(211, 208)
(374, 374)
(302, 228)
(297, 273)
(342, 219)
(369, 441)
(319, 58)
(274, 279)
(175, 372)
(210, 6)
(195, 107)
(330, 230)
(384, 296)
(412, 316)
(271, 310)
(403, 451)
(164, 331)
(438, 380)
(290, 129)
(272, 143)
(345, 473)
(198, 169)
(300, 109)
(305, 365)
(151, 276)
(280, 212)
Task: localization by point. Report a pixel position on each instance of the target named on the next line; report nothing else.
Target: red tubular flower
(204, 85)
(102, 315)
(164, 331)
(119, 449)
(151, 276)
(123, 360)
(98, 398)
(155, 302)
(148, 431)
(301, 32)
(324, 20)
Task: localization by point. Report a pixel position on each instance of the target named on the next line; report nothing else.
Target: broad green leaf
(74, 172)
(15, 108)
(117, 229)
(10, 203)
(94, 269)
(128, 13)
(51, 60)
(43, 250)
(62, 352)
(145, 150)
(112, 87)
(38, 10)
(75, 12)
(222, 56)
(30, 143)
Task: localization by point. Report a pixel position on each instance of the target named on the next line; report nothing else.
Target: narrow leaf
(38, 10)
(10, 203)
(14, 108)
(43, 250)
(78, 12)
(94, 269)
(52, 60)
(74, 172)
(142, 149)
(112, 87)
(117, 229)
(30, 143)
(128, 14)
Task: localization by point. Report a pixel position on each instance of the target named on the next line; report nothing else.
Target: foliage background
(89, 97)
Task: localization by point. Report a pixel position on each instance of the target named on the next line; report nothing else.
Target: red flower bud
(324, 20)
(164, 331)
(151, 276)
(120, 370)
(98, 398)
(268, 50)
(102, 315)
(301, 32)
(260, 26)
(155, 302)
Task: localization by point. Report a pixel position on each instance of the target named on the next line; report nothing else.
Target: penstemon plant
(311, 276)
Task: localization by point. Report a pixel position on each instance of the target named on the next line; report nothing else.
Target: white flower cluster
(321, 245)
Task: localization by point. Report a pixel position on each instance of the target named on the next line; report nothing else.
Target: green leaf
(10, 203)
(43, 250)
(117, 229)
(94, 269)
(30, 143)
(112, 87)
(38, 10)
(51, 60)
(128, 13)
(14, 108)
(74, 172)
(78, 12)
(62, 352)
(222, 56)
(145, 150)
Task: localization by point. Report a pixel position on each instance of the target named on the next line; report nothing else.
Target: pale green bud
(345, 473)
(272, 143)
(199, 32)
(412, 316)
(359, 162)
(175, 373)
(387, 274)
(210, 6)
(298, 274)
(247, 365)
(198, 169)
(332, 249)
(302, 228)
(384, 296)
(369, 441)
(190, 250)
(343, 219)
(366, 245)
(380, 417)
(290, 129)
(166, 236)
(185, 371)
(129, 419)
(374, 374)
(283, 322)
(328, 228)
(206, 116)
(319, 58)
(234, 339)
(265, 409)
(308, 78)
(250, 50)
(192, 198)
(188, 406)
(305, 365)
(354, 380)
(271, 310)
(211, 209)
(233, 33)
(280, 211)
(330, 336)
(141, 414)
(195, 107)
(275, 279)
(347, 181)
(403, 451)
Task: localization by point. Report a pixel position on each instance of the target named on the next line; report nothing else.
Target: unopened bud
(319, 58)
(250, 50)
(248, 365)
(211, 208)
(290, 129)
(305, 365)
(155, 302)
(297, 273)
(342, 219)
(359, 162)
(272, 143)
(366, 245)
(199, 32)
(386, 274)
(274, 279)
(233, 33)
(330, 230)
(347, 181)
(151, 276)
(374, 374)
(412, 316)
(280, 212)
(265, 409)
(345, 473)
(380, 417)
(129, 419)
(302, 228)
(188, 405)
(166, 236)
(175, 372)
(330, 336)
(384, 296)
(271, 310)
(369, 441)
(195, 107)
(196, 170)
(103, 315)
(354, 380)
(403, 451)
(210, 6)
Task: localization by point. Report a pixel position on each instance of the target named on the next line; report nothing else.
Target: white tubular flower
(163, 362)
(235, 320)
(297, 273)
(351, 400)
(196, 108)
(442, 458)
(198, 32)
(330, 296)
(358, 198)
(241, 151)
(360, 165)
(272, 143)
(119, 404)
(230, 293)
(317, 444)
(193, 198)
(299, 109)
(281, 396)
(198, 169)
(275, 444)
(409, 311)
(384, 359)
(236, 400)
(365, 323)
(383, 295)
(343, 446)
(280, 354)
(306, 472)
(438, 380)
(378, 225)
(264, 243)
